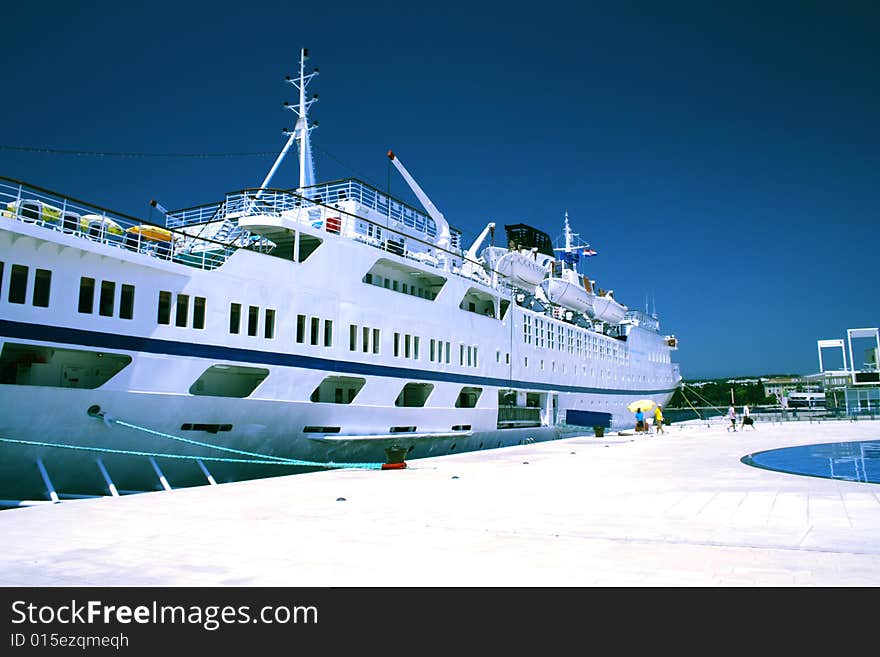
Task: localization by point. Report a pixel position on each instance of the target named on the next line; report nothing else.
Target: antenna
(301, 130)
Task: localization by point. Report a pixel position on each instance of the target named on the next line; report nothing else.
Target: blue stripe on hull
(70, 336)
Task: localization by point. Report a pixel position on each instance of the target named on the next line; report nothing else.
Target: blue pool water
(849, 461)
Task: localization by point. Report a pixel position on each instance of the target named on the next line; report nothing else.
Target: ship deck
(673, 510)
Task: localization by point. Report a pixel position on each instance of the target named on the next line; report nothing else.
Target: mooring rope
(255, 457)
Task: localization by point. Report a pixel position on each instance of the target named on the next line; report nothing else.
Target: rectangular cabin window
(42, 283)
(269, 324)
(18, 284)
(126, 302)
(107, 299)
(235, 318)
(198, 312)
(316, 330)
(328, 332)
(181, 317)
(163, 315)
(300, 328)
(365, 345)
(416, 347)
(375, 341)
(461, 354)
(397, 345)
(431, 350)
(253, 320)
(352, 337)
(1, 276)
(447, 353)
(407, 346)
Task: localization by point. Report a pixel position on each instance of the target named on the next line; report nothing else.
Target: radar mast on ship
(301, 130)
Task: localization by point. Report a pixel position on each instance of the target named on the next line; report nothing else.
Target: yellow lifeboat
(154, 233)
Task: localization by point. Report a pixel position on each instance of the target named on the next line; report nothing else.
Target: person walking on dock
(747, 418)
(731, 414)
(658, 419)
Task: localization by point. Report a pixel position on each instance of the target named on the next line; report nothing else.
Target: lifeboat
(522, 269)
(568, 292)
(147, 232)
(606, 309)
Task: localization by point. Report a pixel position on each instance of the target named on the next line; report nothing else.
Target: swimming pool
(848, 461)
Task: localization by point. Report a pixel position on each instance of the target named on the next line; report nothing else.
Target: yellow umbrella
(641, 404)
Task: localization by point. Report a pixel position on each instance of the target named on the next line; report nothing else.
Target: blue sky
(722, 158)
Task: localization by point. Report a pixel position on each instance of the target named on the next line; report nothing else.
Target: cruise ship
(275, 330)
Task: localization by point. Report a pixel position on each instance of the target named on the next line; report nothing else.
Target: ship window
(414, 395)
(107, 299)
(416, 347)
(408, 429)
(462, 427)
(198, 312)
(431, 346)
(210, 428)
(30, 365)
(300, 328)
(461, 354)
(338, 390)
(316, 329)
(404, 279)
(505, 305)
(468, 397)
(352, 337)
(321, 429)
(18, 284)
(269, 324)
(234, 318)
(478, 302)
(42, 283)
(126, 302)
(365, 346)
(1, 275)
(375, 341)
(228, 381)
(307, 246)
(328, 332)
(253, 320)
(407, 346)
(447, 353)
(397, 345)
(163, 315)
(182, 316)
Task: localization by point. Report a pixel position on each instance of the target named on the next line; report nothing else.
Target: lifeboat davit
(606, 309)
(568, 293)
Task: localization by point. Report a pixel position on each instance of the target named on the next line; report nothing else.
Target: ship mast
(301, 130)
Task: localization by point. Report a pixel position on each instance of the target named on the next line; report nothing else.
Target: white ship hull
(585, 371)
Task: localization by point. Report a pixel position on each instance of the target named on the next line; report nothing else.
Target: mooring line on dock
(260, 460)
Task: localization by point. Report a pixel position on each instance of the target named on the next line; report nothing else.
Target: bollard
(394, 458)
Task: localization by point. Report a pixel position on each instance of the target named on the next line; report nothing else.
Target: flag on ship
(588, 252)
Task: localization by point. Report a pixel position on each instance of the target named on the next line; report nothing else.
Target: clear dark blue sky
(722, 158)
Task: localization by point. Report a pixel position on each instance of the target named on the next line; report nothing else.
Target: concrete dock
(678, 509)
